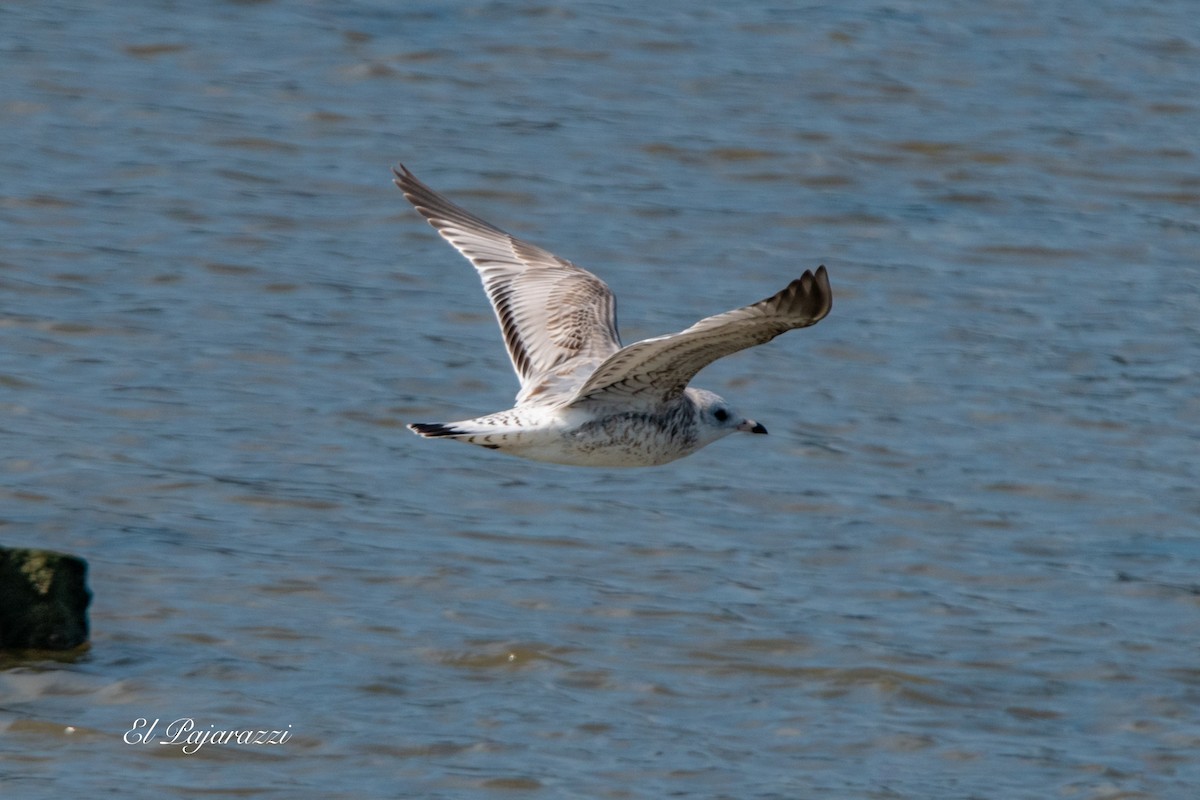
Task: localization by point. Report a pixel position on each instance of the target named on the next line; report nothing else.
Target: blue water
(964, 564)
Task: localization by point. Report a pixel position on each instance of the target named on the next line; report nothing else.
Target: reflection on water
(964, 563)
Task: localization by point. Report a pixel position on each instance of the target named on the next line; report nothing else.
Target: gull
(585, 400)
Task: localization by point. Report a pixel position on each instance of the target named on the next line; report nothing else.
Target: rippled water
(963, 565)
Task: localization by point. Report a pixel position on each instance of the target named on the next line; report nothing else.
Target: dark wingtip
(402, 175)
(812, 293)
(822, 278)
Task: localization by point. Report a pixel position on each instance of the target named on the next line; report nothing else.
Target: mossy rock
(43, 600)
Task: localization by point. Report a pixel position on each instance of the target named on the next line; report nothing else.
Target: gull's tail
(438, 430)
(494, 432)
(435, 429)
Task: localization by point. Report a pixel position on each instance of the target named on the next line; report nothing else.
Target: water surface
(964, 564)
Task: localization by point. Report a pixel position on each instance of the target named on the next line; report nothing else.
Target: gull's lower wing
(660, 368)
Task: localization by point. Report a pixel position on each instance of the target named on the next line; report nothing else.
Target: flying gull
(585, 400)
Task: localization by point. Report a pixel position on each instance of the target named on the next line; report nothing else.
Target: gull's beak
(750, 426)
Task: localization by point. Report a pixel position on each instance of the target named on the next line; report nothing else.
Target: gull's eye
(721, 414)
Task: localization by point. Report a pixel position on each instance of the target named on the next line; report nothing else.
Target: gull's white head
(716, 419)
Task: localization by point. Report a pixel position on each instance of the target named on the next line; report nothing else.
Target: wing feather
(658, 369)
(550, 311)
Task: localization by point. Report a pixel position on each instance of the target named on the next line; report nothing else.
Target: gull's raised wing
(550, 311)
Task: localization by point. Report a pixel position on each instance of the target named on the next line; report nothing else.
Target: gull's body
(585, 400)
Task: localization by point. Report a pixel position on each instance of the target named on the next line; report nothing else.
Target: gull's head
(717, 419)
